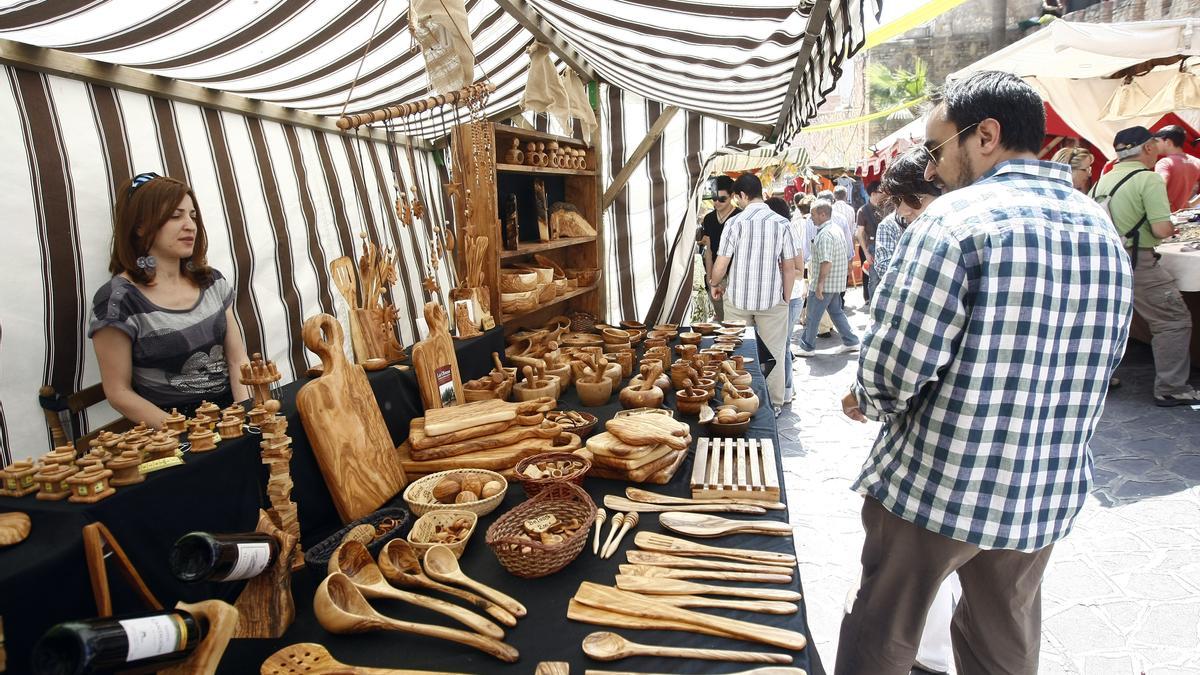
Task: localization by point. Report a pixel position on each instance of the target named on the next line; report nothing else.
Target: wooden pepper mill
(90, 485)
(235, 410)
(175, 421)
(208, 409)
(52, 481)
(63, 454)
(18, 479)
(202, 440)
(125, 469)
(161, 446)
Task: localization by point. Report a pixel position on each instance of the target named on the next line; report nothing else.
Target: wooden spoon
(706, 525)
(606, 646)
(665, 560)
(653, 586)
(341, 608)
(713, 575)
(640, 495)
(618, 502)
(662, 543)
(400, 565)
(353, 560)
(765, 670)
(761, 606)
(313, 659)
(441, 564)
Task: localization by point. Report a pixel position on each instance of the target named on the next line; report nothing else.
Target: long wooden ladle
(353, 560)
(606, 646)
(341, 608)
(400, 565)
(441, 564)
(311, 658)
(708, 525)
(655, 586)
(649, 497)
(667, 560)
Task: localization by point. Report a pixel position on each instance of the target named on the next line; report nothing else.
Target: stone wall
(1136, 10)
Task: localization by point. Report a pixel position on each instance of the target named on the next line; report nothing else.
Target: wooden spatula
(707, 525)
(712, 575)
(662, 543)
(623, 504)
(640, 495)
(314, 659)
(760, 606)
(665, 560)
(652, 586)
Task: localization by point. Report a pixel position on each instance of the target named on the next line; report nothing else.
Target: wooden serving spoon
(400, 565)
(653, 586)
(606, 646)
(712, 575)
(441, 564)
(618, 502)
(760, 606)
(341, 608)
(353, 560)
(313, 659)
(665, 560)
(662, 543)
(648, 497)
(765, 670)
(706, 525)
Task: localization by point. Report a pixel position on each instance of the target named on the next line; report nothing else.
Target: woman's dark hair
(779, 205)
(147, 206)
(749, 184)
(725, 184)
(906, 176)
(1003, 97)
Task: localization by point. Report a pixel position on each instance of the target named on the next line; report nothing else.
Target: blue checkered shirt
(1002, 315)
(887, 235)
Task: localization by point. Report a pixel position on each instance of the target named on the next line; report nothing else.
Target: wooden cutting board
(345, 427)
(658, 472)
(496, 459)
(742, 468)
(619, 464)
(649, 429)
(477, 413)
(435, 362)
(604, 443)
(511, 436)
(421, 441)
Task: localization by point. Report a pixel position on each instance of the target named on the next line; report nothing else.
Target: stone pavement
(1122, 593)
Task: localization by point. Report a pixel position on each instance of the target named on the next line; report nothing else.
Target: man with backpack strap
(1136, 199)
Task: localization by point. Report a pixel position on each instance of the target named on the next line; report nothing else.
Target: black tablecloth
(44, 580)
(545, 634)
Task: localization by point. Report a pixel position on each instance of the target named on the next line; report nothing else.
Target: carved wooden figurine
(18, 479)
(125, 469)
(541, 208)
(52, 481)
(259, 375)
(90, 485)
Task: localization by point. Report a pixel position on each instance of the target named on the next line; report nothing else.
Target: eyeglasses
(721, 199)
(934, 154)
(912, 201)
(141, 179)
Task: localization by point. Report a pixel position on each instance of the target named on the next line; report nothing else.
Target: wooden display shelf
(507, 318)
(521, 168)
(532, 135)
(539, 247)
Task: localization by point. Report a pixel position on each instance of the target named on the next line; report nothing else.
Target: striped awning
(730, 59)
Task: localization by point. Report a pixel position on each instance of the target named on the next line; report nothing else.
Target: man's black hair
(1003, 97)
(872, 187)
(1173, 133)
(906, 176)
(725, 184)
(749, 184)
(779, 205)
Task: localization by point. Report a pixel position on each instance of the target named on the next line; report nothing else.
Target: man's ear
(987, 134)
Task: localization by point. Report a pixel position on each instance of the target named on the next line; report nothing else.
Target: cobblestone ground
(1122, 592)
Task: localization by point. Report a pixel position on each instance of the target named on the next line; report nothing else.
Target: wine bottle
(134, 643)
(200, 556)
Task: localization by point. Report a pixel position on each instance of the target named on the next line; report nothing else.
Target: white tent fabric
(1070, 64)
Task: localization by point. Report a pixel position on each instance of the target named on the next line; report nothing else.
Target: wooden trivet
(742, 468)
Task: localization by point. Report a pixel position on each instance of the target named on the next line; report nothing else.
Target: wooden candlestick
(18, 479)
(265, 607)
(175, 421)
(230, 427)
(202, 440)
(208, 409)
(125, 469)
(52, 481)
(90, 485)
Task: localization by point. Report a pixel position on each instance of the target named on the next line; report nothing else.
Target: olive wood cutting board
(511, 436)
(345, 427)
(456, 418)
(496, 459)
(639, 495)
(707, 575)
(622, 504)
(665, 560)
(663, 543)
(604, 443)
(659, 472)
(620, 464)
(436, 363)
(421, 441)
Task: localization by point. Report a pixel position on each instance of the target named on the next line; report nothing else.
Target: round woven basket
(582, 322)
(534, 486)
(532, 559)
(419, 494)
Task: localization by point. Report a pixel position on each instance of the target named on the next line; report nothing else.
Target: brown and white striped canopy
(728, 58)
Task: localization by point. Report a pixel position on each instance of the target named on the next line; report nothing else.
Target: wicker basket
(582, 322)
(580, 430)
(534, 486)
(419, 494)
(421, 534)
(565, 501)
(317, 557)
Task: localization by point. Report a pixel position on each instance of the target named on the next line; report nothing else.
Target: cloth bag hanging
(544, 92)
(440, 28)
(1181, 93)
(579, 105)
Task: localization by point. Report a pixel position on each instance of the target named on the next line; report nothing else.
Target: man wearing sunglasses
(714, 225)
(1003, 313)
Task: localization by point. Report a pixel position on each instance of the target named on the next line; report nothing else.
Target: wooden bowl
(689, 401)
(517, 281)
(546, 292)
(583, 276)
(577, 340)
(419, 493)
(705, 328)
(421, 536)
(731, 332)
(635, 325)
(715, 428)
(615, 336)
(690, 338)
(545, 275)
(581, 429)
(738, 323)
(375, 364)
(654, 342)
(660, 335)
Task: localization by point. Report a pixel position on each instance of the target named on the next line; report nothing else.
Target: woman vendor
(163, 326)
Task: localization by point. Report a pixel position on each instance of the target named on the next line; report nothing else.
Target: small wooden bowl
(715, 356)
(654, 342)
(578, 340)
(634, 325)
(517, 281)
(375, 364)
(615, 336)
(733, 324)
(690, 338)
(705, 328)
(660, 335)
(689, 401)
(669, 327)
(731, 332)
(423, 531)
(708, 418)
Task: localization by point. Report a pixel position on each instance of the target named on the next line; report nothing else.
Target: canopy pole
(543, 32)
(461, 97)
(812, 32)
(639, 153)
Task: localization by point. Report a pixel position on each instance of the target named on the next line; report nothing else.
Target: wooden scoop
(640, 495)
(400, 565)
(313, 659)
(606, 646)
(664, 560)
(353, 560)
(705, 525)
(656, 586)
(341, 608)
(662, 543)
(714, 575)
(441, 564)
(618, 502)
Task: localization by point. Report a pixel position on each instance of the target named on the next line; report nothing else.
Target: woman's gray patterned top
(178, 354)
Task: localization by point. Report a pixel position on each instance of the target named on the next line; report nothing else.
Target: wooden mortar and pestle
(593, 387)
(736, 376)
(535, 385)
(689, 399)
(644, 393)
(738, 396)
(663, 382)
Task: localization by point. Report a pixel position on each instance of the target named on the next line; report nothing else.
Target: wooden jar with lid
(257, 414)
(202, 440)
(235, 410)
(90, 485)
(52, 481)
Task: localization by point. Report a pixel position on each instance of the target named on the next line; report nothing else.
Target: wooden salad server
(624, 504)
(353, 560)
(441, 564)
(606, 646)
(640, 495)
(707, 525)
(401, 565)
(710, 575)
(341, 608)
(655, 586)
(313, 659)
(662, 543)
(667, 560)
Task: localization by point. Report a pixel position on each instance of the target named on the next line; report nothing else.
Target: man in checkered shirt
(1003, 314)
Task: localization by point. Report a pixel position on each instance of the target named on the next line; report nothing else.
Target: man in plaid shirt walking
(1000, 319)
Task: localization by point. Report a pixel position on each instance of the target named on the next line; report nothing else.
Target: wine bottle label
(252, 559)
(152, 636)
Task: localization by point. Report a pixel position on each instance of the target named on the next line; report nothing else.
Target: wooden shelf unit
(578, 187)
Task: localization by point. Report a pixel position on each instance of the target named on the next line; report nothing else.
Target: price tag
(540, 524)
